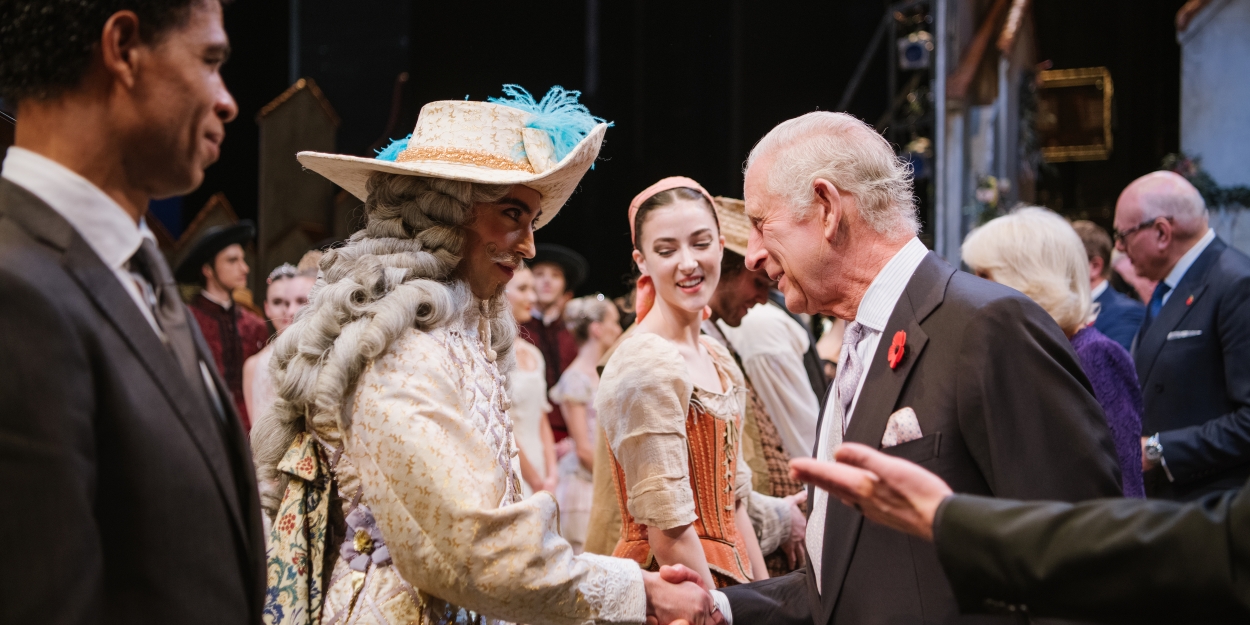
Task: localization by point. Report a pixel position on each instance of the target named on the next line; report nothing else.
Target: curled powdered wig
(394, 274)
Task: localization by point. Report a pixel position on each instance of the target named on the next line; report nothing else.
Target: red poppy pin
(897, 346)
(1190, 301)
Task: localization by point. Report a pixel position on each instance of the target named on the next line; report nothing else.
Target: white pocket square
(1183, 334)
(902, 428)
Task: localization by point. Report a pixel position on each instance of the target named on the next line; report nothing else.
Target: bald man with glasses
(1193, 349)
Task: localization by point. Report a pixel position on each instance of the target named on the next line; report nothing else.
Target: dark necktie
(1155, 305)
(170, 314)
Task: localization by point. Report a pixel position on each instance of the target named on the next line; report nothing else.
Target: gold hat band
(462, 156)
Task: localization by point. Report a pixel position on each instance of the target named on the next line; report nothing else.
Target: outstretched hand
(675, 596)
(888, 490)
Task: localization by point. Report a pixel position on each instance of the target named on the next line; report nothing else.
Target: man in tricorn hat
(558, 270)
(232, 332)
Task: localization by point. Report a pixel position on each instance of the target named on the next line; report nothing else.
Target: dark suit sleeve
(1222, 442)
(776, 601)
(1115, 560)
(1024, 403)
(52, 558)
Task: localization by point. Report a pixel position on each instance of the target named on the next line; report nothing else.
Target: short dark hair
(732, 264)
(46, 45)
(1097, 243)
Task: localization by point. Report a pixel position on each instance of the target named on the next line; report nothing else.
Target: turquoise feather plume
(391, 152)
(559, 114)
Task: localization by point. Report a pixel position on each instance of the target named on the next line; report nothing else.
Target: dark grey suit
(1113, 561)
(130, 499)
(1006, 412)
(1194, 365)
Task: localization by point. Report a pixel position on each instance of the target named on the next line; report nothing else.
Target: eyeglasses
(1119, 236)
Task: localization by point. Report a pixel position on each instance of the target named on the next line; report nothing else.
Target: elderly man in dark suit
(131, 490)
(1111, 561)
(1119, 316)
(1193, 349)
(969, 378)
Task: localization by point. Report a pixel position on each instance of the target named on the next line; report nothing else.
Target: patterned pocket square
(902, 428)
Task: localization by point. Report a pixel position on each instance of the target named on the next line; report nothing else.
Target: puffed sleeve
(432, 479)
(642, 401)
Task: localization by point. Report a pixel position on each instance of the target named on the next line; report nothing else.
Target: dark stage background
(690, 86)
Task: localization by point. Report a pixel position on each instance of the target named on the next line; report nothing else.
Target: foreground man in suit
(133, 494)
(969, 378)
(1113, 561)
(1193, 349)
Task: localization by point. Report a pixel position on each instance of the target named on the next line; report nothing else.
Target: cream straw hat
(546, 146)
(734, 224)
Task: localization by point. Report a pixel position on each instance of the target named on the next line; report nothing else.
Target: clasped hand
(676, 596)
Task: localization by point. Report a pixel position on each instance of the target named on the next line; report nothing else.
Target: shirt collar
(1187, 261)
(882, 295)
(225, 305)
(102, 222)
(1097, 291)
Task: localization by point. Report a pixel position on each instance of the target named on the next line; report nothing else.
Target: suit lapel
(1193, 283)
(114, 304)
(877, 399)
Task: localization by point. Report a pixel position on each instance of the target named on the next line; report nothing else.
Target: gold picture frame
(1074, 114)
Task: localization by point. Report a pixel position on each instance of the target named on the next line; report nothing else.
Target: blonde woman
(595, 325)
(1037, 252)
(536, 451)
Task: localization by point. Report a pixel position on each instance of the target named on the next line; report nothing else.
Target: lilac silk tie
(850, 368)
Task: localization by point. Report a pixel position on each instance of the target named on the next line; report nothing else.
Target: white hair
(393, 275)
(850, 155)
(1038, 253)
(1167, 194)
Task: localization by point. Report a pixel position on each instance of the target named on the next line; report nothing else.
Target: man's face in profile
(174, 115)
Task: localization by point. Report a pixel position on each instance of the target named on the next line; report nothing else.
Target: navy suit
(1119, 316)
(1193, 361)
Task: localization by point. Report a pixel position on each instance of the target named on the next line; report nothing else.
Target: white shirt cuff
(722, 604)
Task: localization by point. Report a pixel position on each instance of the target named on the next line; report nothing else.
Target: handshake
(676, 595)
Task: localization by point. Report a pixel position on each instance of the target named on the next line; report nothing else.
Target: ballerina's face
(681, 252)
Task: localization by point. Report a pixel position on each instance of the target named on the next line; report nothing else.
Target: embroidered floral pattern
(294, 589)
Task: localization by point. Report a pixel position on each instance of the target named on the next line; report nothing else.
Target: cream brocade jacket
(430, 453)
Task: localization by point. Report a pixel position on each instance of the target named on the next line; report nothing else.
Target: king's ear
(829, 204)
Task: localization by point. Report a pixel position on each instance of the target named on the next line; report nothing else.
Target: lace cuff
(614, 588)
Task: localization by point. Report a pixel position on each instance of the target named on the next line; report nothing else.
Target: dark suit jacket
(1006, 411)
(131, 501)
(1113, 561)
(1194, 365)
(1119, 316)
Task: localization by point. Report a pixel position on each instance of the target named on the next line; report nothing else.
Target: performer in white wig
(397, 501)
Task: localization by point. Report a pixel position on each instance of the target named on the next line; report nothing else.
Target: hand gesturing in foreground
(888, 490)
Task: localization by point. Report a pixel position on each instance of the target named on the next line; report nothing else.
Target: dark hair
(1097, 243)
(668, 198)
(731, 265)
(46, 45)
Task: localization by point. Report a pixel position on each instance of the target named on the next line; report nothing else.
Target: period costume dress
(233, 334)
(528, 388)
(576, 488)
(675, 451)
(421, 510)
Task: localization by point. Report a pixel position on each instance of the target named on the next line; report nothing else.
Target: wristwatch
(1154, 453)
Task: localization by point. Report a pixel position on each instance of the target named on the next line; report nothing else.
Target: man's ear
(119, 46)
(209, 272)
(829, 207)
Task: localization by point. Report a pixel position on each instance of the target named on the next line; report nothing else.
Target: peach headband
(667, 184)
(644, 299)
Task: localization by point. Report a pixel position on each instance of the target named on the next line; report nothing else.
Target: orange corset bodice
(712, 446)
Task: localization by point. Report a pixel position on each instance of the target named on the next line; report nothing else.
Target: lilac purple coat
(1111, 372)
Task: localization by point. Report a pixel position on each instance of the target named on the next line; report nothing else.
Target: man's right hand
(676, 594)
(891, 491)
